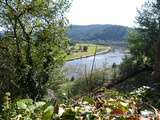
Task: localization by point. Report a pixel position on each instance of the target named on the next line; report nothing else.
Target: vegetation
(33, 45)
(85, 85)
(84, 50)
(101, 34)
(104, 104)
(143, 66)
(149, 20)
(144, 41)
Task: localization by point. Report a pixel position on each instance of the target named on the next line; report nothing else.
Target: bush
(26, 109)
(85, 48)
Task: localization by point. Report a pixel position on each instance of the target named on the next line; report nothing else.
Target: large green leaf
(39, 104)
(68, 115)
(21, 105)
(24, 103)
(48, 113)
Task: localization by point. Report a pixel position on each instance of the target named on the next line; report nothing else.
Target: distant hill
(98, 33)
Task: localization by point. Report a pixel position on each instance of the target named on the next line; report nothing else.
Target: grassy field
(89, 52)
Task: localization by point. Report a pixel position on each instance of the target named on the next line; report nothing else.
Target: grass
(85, 83)
(90, 52)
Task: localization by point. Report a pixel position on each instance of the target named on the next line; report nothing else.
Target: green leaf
(27, 101)
(68, 115)
(24, 103)
(48, 113)
(39, 104)
(21, 105)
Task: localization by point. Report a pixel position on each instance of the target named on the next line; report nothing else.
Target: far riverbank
(76, 54)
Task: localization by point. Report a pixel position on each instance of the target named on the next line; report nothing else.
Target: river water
(79, 67)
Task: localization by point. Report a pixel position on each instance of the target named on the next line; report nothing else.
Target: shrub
(85, 48)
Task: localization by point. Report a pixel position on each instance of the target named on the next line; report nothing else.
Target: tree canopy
(33, 44)
(149, 25)
(144, 41)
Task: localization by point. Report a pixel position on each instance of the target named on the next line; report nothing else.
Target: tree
(149, 24)
(85, 48)
(142, 52)
(36, 29)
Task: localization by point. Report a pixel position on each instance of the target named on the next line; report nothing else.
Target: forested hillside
(98, 33)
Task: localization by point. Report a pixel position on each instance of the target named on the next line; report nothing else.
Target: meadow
(91, 49)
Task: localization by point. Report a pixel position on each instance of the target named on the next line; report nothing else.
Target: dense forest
(33, 49)
(98, 33)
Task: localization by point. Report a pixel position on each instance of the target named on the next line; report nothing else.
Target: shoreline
(98, 53)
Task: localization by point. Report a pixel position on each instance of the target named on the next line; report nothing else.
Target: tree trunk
(18, 51)
(157, 61)
(30, 83)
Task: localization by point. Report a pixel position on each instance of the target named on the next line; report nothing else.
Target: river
(78, 67)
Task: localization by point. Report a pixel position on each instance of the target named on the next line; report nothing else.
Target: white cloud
(120, 12)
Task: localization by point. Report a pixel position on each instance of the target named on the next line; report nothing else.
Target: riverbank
(101, 49)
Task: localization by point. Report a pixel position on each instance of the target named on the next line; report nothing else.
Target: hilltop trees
(35, 43)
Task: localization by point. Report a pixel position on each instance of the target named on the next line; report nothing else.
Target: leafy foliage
(99, 106)
(149, 25)
(33, 44)
(142, 52)
(26, 109)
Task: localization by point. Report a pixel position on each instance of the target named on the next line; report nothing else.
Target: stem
(93, 65)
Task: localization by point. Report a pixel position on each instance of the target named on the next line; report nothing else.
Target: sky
(118, 12)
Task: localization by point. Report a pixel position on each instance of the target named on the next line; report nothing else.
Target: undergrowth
(102, 104)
